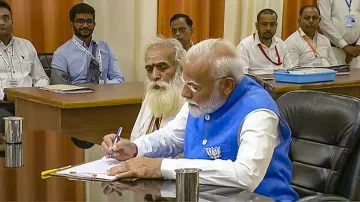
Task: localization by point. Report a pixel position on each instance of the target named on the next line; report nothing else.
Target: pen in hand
(117, 137)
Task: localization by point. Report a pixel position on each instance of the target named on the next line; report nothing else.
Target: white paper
(87, 170)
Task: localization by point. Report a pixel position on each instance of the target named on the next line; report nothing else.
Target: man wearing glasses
(182, 29)
(82, 59)
(19, 64)
(233, 133)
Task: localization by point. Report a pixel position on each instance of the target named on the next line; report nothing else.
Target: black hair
(4, 4)
(308, 6)
(188, 20)
(266, 11)
(81, 8)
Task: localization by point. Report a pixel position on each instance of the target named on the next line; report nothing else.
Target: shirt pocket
(22, 67)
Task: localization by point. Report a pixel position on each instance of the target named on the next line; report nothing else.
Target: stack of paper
(96, 170)
(61, 88)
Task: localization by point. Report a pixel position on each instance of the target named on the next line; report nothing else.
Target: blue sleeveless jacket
(221, 128)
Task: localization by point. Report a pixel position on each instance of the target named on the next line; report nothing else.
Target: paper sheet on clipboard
(88, 171)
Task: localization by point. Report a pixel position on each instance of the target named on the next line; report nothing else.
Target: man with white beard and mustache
(163, 100)
(233, 133)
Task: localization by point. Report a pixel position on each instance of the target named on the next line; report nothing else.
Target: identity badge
(350, 20)
(316, 64)
(13, 83)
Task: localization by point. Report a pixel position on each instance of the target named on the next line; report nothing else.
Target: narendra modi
(163, 100)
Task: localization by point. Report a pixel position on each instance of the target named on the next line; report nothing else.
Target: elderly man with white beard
(163, 100)
(231, 129)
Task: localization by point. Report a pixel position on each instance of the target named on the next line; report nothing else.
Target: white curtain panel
(240, 17)
(127, 25)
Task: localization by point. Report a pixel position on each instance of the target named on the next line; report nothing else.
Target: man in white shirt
(182, 29)
(262, 52)
(163, 64)
(340, 22)
(307, 47)
(19, 63)
(233, 132)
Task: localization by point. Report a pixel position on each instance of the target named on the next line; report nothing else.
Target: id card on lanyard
(349, 19)
(318, 62)
(99, 60)
(12, 80)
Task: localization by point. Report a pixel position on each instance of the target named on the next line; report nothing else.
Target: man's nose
(186, 93)
(156, 74)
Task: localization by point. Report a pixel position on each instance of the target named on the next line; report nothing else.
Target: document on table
(96, 170)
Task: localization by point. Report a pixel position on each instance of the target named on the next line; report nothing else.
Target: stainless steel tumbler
(13, 130)
(187, 184)
(13, 142)
(14, 155)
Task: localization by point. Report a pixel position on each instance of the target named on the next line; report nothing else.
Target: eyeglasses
(189, 86)
(5, 18)
(192, 87)
(82, 22)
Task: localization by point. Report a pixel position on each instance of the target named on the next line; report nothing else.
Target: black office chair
(46, 59)
(266, 85)
(325, 146)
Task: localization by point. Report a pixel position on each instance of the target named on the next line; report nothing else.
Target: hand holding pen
(119, 148)
(117, 137)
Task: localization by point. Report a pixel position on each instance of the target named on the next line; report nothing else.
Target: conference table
(26, 184)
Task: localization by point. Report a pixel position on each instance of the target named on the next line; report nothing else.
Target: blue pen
(117, 137)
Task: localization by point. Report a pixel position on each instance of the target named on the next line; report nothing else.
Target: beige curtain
(240, 17)
(127, 25)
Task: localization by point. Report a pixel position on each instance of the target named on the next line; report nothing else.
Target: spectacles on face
(192, 88)
(5, 18)
(82, 22)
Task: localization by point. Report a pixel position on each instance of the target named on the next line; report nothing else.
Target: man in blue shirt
(82, 59)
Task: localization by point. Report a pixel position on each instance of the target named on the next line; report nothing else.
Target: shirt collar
(191, 44)
(257, 40)
(302, 33)
(82, 42)
(11, 43)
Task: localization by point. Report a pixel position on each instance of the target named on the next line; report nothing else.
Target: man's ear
(192, 30)
(71, 24)
(228, 85)
(257, 25)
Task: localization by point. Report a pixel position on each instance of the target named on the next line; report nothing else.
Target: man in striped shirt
(19, 63)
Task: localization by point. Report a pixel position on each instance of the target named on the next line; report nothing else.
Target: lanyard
(349, 4)
(278, 63)
(10, 56)
(309, 44)
(91, 55)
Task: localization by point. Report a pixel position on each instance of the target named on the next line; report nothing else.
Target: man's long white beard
(212, 104)
(164, 99)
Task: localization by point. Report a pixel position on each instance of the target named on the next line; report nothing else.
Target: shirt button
(207, 117)
(204, 142)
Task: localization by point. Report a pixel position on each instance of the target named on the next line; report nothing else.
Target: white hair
(180, 52)
(222, 56)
